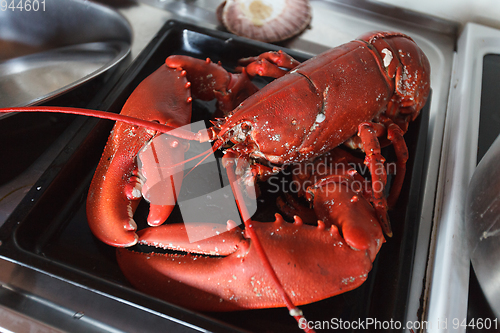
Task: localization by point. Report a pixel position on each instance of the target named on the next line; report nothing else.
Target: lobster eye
(245, 128)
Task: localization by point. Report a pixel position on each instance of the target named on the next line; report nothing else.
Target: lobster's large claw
(311, 262)
(115, 190)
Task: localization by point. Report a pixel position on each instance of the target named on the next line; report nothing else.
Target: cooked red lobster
(361, 95)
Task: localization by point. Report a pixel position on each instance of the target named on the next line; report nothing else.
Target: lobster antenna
(214, 148)
(180, 133)
(204, 154)
(245, 215)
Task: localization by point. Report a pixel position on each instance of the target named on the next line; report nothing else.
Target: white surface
(486, 12)
(449, 273)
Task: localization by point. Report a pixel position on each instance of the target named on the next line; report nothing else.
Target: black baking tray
(48, 231)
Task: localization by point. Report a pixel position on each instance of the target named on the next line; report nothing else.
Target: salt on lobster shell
(265, 20)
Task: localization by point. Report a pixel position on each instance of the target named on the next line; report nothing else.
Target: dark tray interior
(49, 232)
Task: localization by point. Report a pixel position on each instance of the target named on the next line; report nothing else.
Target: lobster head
(405, 63)
(320, 103)
(273, 124)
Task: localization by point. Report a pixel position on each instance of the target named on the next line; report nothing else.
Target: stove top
(437, 271)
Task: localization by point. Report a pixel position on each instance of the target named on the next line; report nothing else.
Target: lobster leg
(376, 164)
(395, 135)
(269, 64)
(388, 132)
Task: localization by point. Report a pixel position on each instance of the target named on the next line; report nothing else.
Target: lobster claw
(115, 190)
(224, 273)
